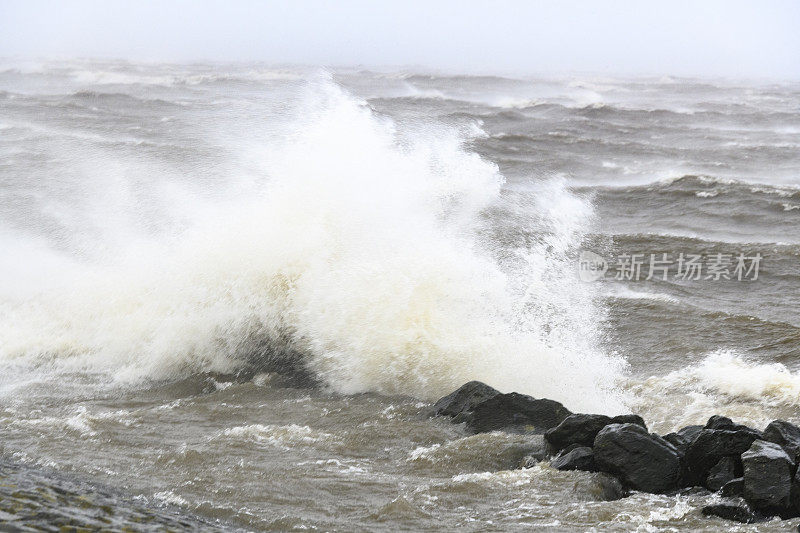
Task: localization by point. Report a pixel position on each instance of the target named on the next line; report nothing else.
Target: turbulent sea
(237, 289)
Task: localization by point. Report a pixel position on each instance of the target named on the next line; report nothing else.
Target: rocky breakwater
(753, 475)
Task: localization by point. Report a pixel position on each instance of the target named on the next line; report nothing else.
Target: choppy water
(382, 238)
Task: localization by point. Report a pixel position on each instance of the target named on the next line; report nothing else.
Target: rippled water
(237, 288)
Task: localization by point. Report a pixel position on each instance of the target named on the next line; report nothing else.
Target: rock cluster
(756, 472)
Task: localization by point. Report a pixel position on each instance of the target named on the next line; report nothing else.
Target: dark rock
(516, 412)
(580, 429)
(785, 435)
(610, 487)
(767, 477)
(725, 423)
(629, 419)
(709, 447)
(581, 458)
(641, 460)
(678, 441)
(682, 438)
(736, 511)
(732, 488)
(721, 473)
(690, 432)
(794, 496)
(464, 399)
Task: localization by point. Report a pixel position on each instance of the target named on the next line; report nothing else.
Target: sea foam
(366, 247)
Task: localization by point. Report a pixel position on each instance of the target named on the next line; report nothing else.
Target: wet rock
(767, 477)
(464, 399)
(580, 458)
(721, 473)
(734, 487)
(581, 429)
(736, 511)
(709, 447)
(517, 413)
(641, 460)
(785, 435)
(725, 423)
(682, 438)
(629, 419)
(690, 433)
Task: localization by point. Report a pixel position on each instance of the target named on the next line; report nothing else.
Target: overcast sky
(735, 38)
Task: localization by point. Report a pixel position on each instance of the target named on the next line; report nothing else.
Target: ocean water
(237, 289)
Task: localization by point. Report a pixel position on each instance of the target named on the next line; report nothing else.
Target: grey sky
(735, 38)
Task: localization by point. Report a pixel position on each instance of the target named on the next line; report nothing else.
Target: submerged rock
(579, 458)
(736, 511)
(464, 399)
(786, 435)
(610, 487)
(643, 461)
(581, 429)
(517, 413)
(767, 477)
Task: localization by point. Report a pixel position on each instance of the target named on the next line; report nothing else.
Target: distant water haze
(709, 38)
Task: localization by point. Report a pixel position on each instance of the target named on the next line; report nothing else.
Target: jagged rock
(734, 487)
(641, 460)
(516, 412)
(464, 399)
(767, 477)
(581, 458)
(721, 473)
(709, 447)
(736, 511)
(785, 435)
(581, 429)
(725, 423)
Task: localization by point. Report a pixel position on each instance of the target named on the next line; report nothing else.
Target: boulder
(768, 473)
(641, 460)
(725, 423)
(721, 473)
(785, 435)
(734, 487)
(629, 419)
(690, 432)
(709, 447)
(581, 429)
(517, 413)
(682, 438)
(735, 510)
(580, 458)
(464, 399)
